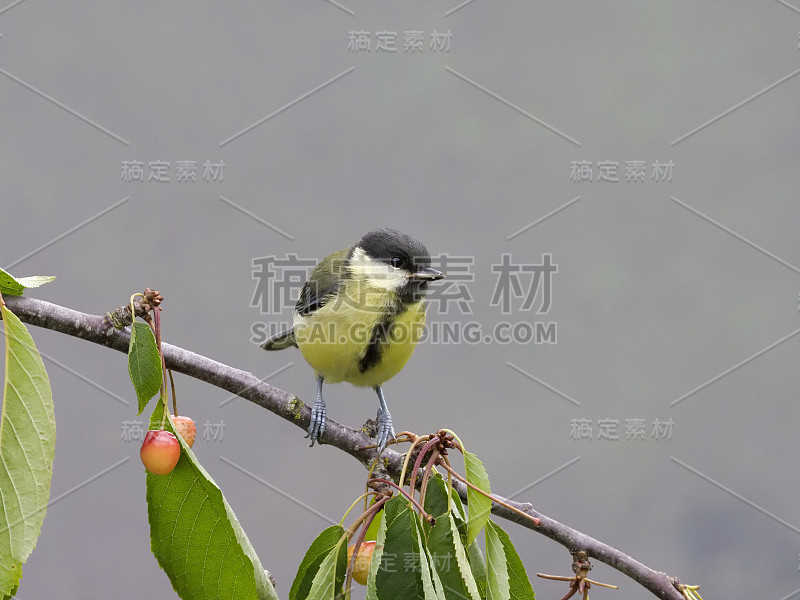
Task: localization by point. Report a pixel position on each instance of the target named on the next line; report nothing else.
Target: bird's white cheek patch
(379, 274)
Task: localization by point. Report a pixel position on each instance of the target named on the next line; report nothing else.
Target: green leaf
(435, 500)
(436, 504)
(27, 447)
(506, 577)
(396, 570)
(401, 570)
(195, 535)
(431, 584)
(9, 285)
(372, 530)
(450, 560)
(377, 557)
(328, 581)
(35, 281)
(144, 363)
(323, 545)
(479, 506)
(14, 286)
(497, 587)
(436, 496)
(478, 566)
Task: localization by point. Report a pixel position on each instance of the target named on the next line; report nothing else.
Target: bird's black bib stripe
(379, 337)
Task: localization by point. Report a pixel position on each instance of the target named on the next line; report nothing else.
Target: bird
(359, 317)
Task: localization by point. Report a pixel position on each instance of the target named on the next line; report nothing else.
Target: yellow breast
(339, 339)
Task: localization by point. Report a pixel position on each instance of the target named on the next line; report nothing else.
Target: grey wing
(313, 298)
(323, 285)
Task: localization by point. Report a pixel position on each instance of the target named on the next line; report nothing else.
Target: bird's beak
(426, 274)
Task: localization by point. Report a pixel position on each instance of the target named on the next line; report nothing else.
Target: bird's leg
(316, 427)
(385, 429)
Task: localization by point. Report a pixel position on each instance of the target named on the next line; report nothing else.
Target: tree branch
(99, 330)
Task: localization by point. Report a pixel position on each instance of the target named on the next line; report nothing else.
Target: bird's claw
(316, 427)
(385, 430)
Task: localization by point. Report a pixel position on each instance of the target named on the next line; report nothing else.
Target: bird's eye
(396, 261)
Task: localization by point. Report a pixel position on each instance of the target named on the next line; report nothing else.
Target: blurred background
(650, 149)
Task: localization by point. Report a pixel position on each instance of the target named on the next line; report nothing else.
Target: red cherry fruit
(363, 560)
(186, 428)
(160, 452)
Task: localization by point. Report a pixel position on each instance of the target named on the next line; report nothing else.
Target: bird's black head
(403, 252)
(395, 249)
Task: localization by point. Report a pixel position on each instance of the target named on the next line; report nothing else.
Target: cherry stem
(488, 495)
(458, 443)
(409, 437)
(449, 482)
(370, 512)
(426, 516)
(133, 310)
(416, 443)
(367, 519)
(157, 331)
(412, 486)
(174, 395)
(364, 497)
(423, 488)
(373, 465)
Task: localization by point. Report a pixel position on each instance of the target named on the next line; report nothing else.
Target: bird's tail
(285, 339)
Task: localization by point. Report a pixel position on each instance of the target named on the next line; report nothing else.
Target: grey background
(651, 300)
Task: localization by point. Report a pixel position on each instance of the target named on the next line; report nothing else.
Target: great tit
(359, 317)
